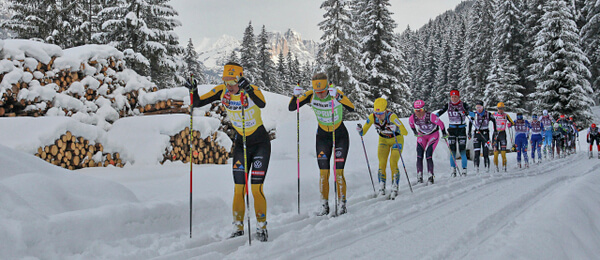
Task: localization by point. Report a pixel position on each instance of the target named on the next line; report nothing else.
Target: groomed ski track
(460, 214)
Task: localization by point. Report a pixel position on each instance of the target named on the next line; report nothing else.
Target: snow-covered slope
(549, 211)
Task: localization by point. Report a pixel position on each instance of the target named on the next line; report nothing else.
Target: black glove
(244, 84)
(191, 84)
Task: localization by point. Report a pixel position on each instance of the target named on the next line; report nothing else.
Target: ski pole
(242, 96)
(368, 165)
(405, 172)
(191, 146)
(334, 151)
(298, 135)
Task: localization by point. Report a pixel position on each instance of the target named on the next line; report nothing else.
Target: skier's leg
(260, 164)
(477, 148)
(452, 141)
(324, 146)
(462, 146)
(431, 144)
(394, 158)
(341, 153)
(383, 151)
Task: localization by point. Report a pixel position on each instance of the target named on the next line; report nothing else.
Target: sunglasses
(378, 113)
(230, 82)
(419, 110)
(479, 107)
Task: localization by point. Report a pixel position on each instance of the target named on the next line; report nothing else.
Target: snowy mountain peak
(214, 52)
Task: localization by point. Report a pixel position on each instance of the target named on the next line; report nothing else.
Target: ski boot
(533, 159)
(464, 172)
(590, 155)
(526, 164)
(394, 192)
(324, 210)
(504, 167)
(477, 169)
(381, 189)
(261, 232)
(453, 172)
(238, 229)
(519, 164)
(431, 179)
(419, 177)
(342, 208)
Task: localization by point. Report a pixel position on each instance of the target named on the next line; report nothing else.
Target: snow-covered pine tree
(506, 82)
(233, 57)
(479, 51)
(561, 67)
(30, 18)
(266, 66)
(192, 65)
(339, 50)
(591, 40)
(282, 73)
(143, 30)
(387, 74)
(248, 58)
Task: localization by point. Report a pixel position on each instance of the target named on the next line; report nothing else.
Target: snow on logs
(73, 152)
(204, 150)
(38, 79)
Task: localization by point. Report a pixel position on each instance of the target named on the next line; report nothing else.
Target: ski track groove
(289, 225)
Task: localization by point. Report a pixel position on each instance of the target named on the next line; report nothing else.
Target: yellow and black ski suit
(324, 140)
(258, 145)
(387, 142)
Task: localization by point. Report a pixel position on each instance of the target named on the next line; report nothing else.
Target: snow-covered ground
(141, 211)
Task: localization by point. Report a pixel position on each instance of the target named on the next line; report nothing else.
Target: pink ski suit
(426, 129)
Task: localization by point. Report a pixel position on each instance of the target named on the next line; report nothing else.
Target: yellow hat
(380, 105)
(319, 85)
(500, 104)
(233, 71)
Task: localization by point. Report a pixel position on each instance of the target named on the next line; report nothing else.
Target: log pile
(169, 106)
(204, 150)
(72, 152)
(60, 80)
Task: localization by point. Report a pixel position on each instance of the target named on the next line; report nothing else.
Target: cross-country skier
(594, 135)
(547, 121)
(425, 126)
(390, 129)
(457, 135)
(558, 136)
(536, 138)
(320, 98)
(574, 134)
(481, 120)
(503, 122)
(257, 141)
(522, 128)
(565, 125)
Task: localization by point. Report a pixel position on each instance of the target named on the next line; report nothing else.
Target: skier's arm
(257, 96)
(442, 111)
(436, 120)
(304, 99)
(493, 119)
(209, 97)
(367, 124)
(394, 119)
(343, 99)
(510, 121)
(411, 123)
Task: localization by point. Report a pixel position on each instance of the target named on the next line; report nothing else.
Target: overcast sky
(213, 18)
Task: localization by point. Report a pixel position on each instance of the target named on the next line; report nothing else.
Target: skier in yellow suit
(390, 129)
(258, 152)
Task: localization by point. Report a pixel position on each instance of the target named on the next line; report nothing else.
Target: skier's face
(420, 112)
(380, 115)
(231, 84)
(322, 94)
(454, 98)
(479, 108)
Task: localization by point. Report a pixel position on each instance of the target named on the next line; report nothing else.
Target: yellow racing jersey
(253, 102)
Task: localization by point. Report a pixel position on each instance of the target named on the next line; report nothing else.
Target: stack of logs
(204, 151)
(72, 152)
(163, 107)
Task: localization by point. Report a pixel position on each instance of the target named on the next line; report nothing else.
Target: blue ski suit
(536, 138)
(522, 128)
